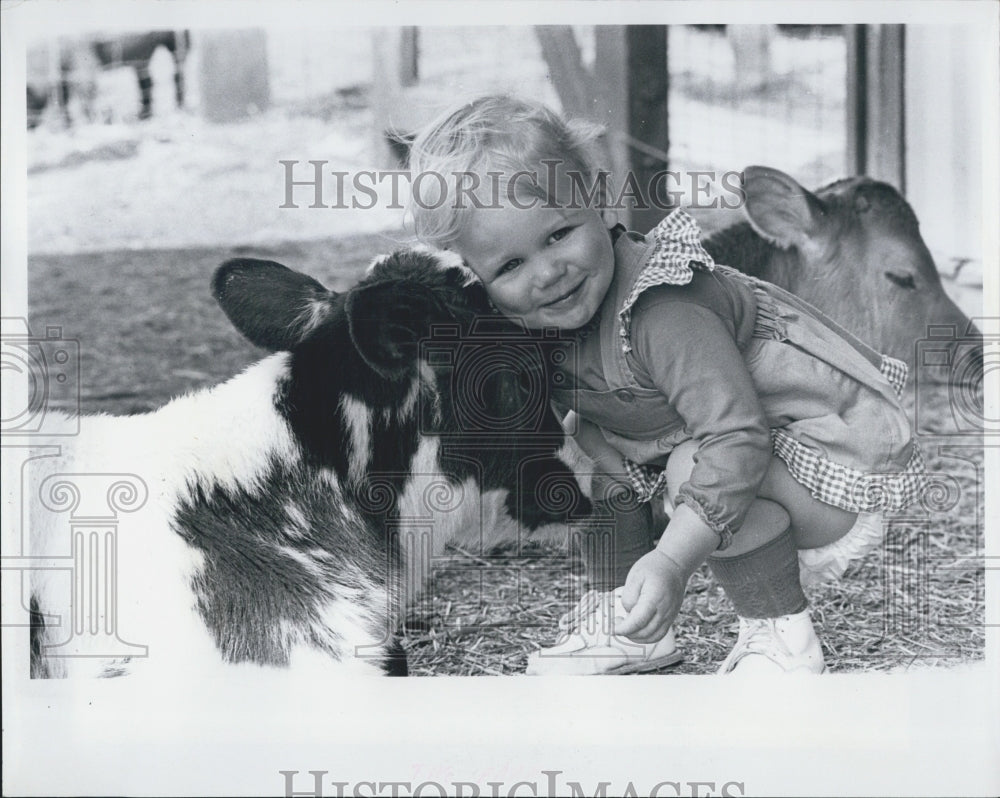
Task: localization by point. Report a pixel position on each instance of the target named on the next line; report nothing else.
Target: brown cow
(853, 249)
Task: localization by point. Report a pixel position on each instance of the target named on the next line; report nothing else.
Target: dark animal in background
(38, 100)
(291, 507)
(79, 58)
(854, 250)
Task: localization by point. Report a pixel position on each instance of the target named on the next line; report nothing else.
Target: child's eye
(561, 233)
(510, 265)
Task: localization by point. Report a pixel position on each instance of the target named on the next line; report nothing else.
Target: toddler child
(778, 436)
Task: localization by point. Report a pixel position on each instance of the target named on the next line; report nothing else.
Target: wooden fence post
(631, 72)
(409, 56)
(876, 144)
(395, 54)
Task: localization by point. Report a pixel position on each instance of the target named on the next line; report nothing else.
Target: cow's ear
(271, 305)
(388, 320)
(778, 208)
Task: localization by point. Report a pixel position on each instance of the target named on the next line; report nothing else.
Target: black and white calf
(291, 511)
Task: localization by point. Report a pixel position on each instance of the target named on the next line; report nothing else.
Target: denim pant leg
(624, 532)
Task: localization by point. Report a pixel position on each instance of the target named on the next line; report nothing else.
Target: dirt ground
(146, 322)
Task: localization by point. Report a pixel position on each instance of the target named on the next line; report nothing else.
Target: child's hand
(654, 590)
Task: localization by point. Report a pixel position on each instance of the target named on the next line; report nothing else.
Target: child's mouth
(566, 299)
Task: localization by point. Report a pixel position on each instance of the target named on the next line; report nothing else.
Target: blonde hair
(495, 134)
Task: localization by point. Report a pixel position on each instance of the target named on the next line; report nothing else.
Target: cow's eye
(902, 280)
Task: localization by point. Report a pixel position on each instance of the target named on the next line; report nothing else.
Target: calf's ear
(388, 320)
(271, 305)
(778, 208)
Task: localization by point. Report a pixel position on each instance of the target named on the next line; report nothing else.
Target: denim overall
(831, 402)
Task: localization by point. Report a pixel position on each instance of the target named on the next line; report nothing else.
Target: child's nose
(551, 270)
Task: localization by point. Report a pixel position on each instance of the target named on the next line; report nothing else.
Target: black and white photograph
(500, 398)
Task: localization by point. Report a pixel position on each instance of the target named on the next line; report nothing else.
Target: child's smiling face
(549, 266)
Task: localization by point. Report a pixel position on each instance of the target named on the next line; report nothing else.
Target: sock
(610, 552)
(763, 583)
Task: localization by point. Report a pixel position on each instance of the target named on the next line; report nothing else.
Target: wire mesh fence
(763, 94)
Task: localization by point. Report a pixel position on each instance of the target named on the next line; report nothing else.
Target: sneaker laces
(759, 636)
(587, 634)
(573, 620)
(593, 619)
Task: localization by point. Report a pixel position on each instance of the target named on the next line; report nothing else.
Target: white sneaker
(776, 645)
(588, 647)
(826, 563)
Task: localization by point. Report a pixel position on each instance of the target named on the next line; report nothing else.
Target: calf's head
(410, 355)
(854, 249)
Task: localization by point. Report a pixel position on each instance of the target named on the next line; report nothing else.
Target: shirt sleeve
(688, 352)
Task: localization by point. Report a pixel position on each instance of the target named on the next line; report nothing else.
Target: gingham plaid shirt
(678, 248)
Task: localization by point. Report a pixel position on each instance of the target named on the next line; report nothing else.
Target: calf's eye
(902, 280)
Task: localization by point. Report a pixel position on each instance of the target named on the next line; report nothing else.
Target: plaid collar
(677, 248)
